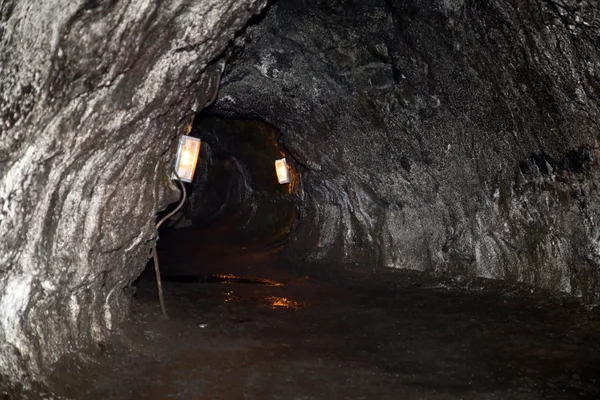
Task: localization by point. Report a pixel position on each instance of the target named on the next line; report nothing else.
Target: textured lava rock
(92, 96)
(447, 136)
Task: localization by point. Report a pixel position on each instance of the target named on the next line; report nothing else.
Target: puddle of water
(269, 301)
(284, 302)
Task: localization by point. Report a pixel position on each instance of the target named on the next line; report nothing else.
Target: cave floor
(241, 327)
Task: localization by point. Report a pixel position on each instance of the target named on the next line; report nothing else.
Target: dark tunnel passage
(235, 205)
(244, 323)
(436, 235)
(240, 181)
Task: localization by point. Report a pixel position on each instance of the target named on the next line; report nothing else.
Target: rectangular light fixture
(283, 173)
(187, 157)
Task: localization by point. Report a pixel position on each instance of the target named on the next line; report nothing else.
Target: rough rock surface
(448, 136)
(92, 96)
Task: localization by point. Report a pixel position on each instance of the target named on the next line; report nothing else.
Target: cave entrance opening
(237, 218)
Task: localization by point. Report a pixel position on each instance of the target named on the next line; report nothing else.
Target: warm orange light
(282, 302)
(187, 157)
(283, 173)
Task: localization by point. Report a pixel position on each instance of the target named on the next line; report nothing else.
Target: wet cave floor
(243, 327)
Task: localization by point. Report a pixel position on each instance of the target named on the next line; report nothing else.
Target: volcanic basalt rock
(451, 136)
(92, 97)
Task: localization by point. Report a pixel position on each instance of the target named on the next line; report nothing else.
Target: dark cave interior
(235, 203)
(242, 155)
(327, 335)
(439, 237)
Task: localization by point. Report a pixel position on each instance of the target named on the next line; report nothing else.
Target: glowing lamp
(283, 173)
(187, 157)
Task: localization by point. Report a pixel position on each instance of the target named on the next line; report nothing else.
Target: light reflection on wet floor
(268, 301)
(247, 330)
(230, 296)
(282, 302)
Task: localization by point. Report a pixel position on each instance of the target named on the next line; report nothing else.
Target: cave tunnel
(438, 236)
(237, 215)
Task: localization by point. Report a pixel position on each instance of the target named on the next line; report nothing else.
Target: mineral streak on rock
(92, 96)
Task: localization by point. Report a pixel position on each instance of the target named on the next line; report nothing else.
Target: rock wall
(448, 136)
(92, 97)
(217, 186)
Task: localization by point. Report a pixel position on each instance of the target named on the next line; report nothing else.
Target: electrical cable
(169, 215)
(155, 255)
